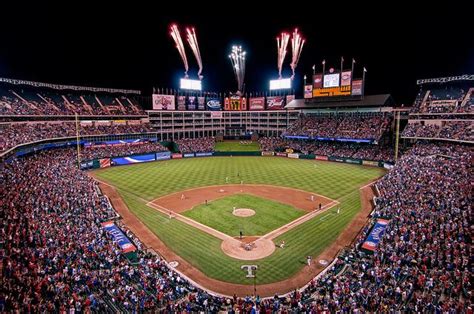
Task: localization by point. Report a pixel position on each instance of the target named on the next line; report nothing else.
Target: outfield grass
(269, 215)
(140, 183)
(235, 146)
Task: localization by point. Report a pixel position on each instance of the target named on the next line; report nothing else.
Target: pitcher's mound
(243, 212)
(248, 251)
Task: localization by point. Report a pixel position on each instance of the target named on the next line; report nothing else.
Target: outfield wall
(134, 159)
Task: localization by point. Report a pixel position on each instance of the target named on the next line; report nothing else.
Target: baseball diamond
(286, 195)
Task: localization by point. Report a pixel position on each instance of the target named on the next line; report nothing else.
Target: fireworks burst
(193, 43)
(296, 47)
(179, 45)
(237, 58)
(282, 43)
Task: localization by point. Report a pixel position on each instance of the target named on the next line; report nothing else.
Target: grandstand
(64, 247)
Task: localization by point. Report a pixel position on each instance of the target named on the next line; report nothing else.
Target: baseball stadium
(314, 192)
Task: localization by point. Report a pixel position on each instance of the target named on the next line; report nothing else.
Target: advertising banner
(257, 103)
(289, 98)
(163, 102)
(201, 103)
(119, 237)
(176, 156)
(375, 235)
(104, 163)
(295, 156)
(317, 81)
(243, 104)
(87, 165)
(163, 155)
(213, 104)
(275, 102)
(357, 87)
(133, 159)
(203, 154)
(308, 91)
(188, 155)
(370, 163)
(268, 153)
(181, 102)
(191, 103)
(319, 157)
(331, 80)
(281, 154)
(226, 103)
(346, 78)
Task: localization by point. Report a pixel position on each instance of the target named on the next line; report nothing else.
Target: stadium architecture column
(78, 145)
(397, 133)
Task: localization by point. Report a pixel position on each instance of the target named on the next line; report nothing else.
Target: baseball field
(237, 146)
(188, 205)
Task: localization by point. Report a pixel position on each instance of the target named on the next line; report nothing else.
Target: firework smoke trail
(296, 47)
(237, 58)
(281, 45)
(179, 45)
(193, 43)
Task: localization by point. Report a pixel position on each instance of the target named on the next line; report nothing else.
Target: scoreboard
(333, 84)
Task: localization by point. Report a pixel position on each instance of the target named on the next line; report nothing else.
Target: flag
(324, 62)
(365, 70)
(314, 67)
(353, 60)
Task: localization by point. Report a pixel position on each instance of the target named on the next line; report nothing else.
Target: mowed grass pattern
(155, 179)
(235, 146)
(269, 215)
(334, 180)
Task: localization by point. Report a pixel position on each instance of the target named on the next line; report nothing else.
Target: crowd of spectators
(447, 100)
(108, 151)
(13, 134)
(57, 257)
(456, 130)
(196, 145)
(347, 125)
(326, 148)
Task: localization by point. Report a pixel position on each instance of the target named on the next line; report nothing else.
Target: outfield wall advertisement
(163, 155)
(133, 159)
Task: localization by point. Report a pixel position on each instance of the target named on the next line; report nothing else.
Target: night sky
(129, 46)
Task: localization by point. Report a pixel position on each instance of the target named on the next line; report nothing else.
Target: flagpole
(324, 66)
(363, 82)
(342, 63)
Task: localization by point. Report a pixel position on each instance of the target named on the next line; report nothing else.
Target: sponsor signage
(357, 87)
(177, 156)
(319, 157)
(275, 102)
(188, 155)
(317, 81)
(346, 78)
(163, 102)
(268, 153)
(203, 154)
(257, 103)
(281, 154)
(133, 159)
(293, 156)
(213, 104)
(308, 91)
(163, 155)
(370, 163)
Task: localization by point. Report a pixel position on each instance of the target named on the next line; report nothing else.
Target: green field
(269, 215)
(235, 146)
(143, 182)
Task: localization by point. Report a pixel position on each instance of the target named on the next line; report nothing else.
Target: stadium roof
(367, 101)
